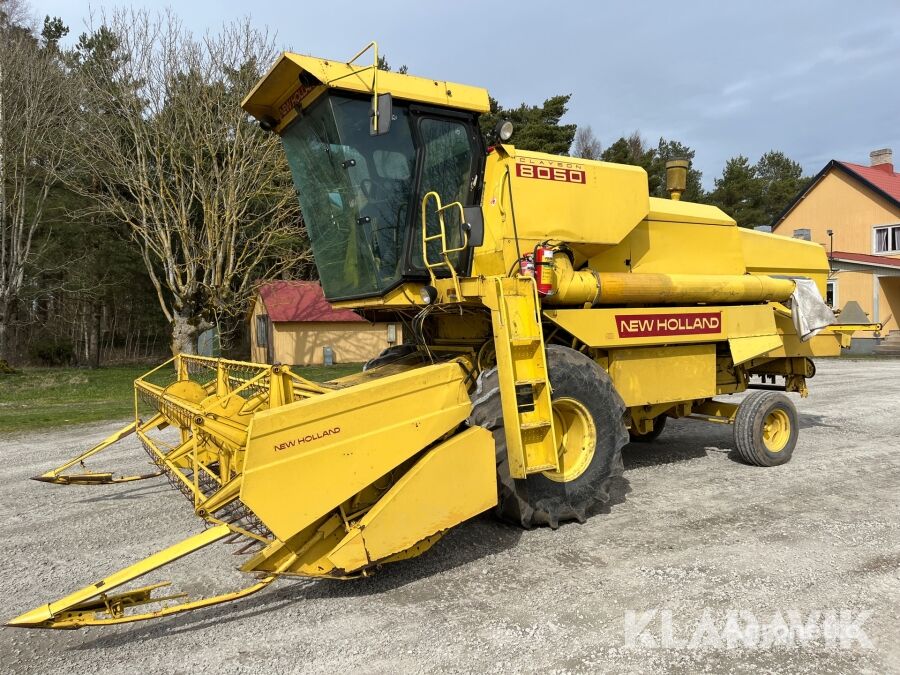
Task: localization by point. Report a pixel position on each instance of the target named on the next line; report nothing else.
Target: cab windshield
(356, 190)
(354, 193)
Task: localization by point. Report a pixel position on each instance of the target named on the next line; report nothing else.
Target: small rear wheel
(766, 428)
(659, 423)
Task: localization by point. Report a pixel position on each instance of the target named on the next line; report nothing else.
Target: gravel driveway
(700, 544)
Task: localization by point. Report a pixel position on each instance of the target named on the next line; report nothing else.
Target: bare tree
(16, 13)
(586, 145)
(35, 111)
(166, 149)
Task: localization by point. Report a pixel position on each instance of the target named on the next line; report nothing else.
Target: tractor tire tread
(537, 500)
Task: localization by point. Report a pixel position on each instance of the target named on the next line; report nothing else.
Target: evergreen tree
(781, 179)
(385, 66)
(737, 192)
(536, 128)
(756, 194)
(634, 150)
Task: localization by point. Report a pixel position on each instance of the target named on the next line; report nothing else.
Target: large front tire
(588, 415)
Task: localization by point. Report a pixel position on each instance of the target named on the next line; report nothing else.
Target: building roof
(301, 301)
(882, 180)
(866, 258)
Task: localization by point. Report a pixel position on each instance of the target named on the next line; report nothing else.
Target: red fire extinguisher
(543, 269)
(526, 265)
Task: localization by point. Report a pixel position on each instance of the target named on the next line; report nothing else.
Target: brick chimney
(882, 159)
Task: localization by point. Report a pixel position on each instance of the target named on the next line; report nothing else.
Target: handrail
(501, 201)
(374, 47)
(441, 235)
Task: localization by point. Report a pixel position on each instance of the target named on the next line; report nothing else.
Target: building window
(803, 233)
(887, 239)
(262, 331)
(831, 294)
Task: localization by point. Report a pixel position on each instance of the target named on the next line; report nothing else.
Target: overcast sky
(818, 80)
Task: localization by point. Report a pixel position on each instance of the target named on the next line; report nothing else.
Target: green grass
(42, 398)
(45, 398)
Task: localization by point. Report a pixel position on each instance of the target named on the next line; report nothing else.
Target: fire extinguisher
(543, 269)
(526, 265)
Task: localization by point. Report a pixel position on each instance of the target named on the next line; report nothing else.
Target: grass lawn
(42, 398)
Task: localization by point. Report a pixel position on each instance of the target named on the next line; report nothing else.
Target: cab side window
(449, 152)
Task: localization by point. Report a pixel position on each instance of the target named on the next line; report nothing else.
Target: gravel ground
(699, 535)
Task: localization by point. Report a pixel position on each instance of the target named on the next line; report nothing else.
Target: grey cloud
(814, 79)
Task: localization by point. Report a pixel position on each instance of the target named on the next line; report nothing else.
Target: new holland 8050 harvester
(555, 308)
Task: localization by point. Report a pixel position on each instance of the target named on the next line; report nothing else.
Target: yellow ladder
(523, 377)
(441, 236)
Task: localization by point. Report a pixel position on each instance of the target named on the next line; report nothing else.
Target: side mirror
(381, 124)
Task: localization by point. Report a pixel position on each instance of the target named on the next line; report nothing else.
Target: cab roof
(294, 77)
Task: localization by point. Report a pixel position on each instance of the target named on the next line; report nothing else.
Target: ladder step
(524, 339)
(535, 382)
(526, 426)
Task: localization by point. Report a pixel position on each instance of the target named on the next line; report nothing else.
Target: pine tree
(536, 128)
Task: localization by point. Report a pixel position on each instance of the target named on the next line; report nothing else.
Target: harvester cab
(363, 163)
(555, 311)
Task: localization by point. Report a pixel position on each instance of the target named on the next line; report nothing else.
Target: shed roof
(879, 265)
(300, 301)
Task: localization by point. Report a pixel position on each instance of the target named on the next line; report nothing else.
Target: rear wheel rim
(776, 430)
(576, 439)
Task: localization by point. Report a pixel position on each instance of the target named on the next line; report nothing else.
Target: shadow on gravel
(659, 453)
(697, 442)
(479, 538)
(116, 492)
(637, 455)
(808, 421)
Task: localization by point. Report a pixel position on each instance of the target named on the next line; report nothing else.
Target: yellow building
(854, 212)
(293, 323)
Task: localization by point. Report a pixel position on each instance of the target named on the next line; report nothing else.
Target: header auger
(556, 310)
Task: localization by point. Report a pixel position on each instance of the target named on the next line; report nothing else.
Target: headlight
(429, 294)
(503, 130)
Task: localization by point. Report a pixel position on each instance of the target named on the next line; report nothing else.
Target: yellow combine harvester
(555, 307)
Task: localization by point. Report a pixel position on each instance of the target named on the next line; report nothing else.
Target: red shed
(293, 323)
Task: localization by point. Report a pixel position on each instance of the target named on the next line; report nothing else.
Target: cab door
(450, 154)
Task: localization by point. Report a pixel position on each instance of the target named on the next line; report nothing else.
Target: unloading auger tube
(551, 310)
(580, 287)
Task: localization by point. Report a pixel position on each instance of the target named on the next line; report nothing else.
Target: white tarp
(808, 309)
